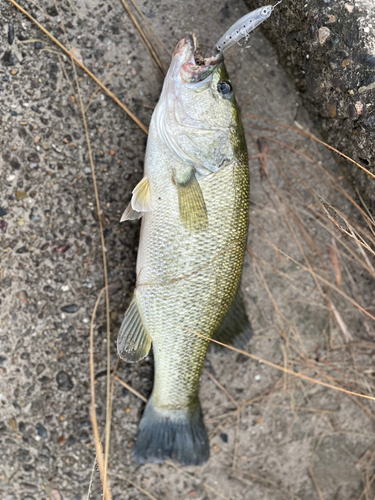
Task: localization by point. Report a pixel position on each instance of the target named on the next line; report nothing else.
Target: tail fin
(176, 434)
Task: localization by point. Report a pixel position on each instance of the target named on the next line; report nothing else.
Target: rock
(224, 437)
(340, 60)
(3, 226)
(33, 215)
(20, 195)
(10, 34)
(22, 250)
(3, 211)
(9, 59)
(33, 157)
(64, 381)
(52, 11)
(14, 163)
(70, 309)
(41, 430)
(22, 295)
(38, 45)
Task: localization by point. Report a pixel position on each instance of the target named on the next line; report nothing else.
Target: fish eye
(264, 12)
(224, 87)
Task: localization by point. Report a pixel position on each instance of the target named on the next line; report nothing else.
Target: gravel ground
(292, 439)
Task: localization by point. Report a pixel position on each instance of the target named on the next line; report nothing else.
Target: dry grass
(343, 249)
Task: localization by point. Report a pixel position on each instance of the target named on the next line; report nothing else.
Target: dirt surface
(275, 436)
(328, 49)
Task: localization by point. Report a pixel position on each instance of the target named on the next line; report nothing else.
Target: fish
(194, 202)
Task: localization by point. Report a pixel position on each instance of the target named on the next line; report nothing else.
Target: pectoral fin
(235, 329)
(193, 212)
(133, 342)
(130, 214)
(140, 202)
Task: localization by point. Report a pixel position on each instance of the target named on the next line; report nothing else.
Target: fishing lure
(244, 26)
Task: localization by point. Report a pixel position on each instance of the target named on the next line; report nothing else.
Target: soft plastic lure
(244, 26)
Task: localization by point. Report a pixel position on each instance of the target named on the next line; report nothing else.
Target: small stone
(257, 377)
(38, 45)
(22, 295)
(20, 195)
(3, 211)
(46, 147)
(33, 166)
(39, 368)
(41, 430)
(64, 381)
(224, 437)
(21, 222)
(349, 7)
(70, 309)
(55, 495)
(33, 157)
(13, 424)
(52, 11)
(62, 249)
(111, 152)
(331, 19)
(3, 226)
(14, 163)
(332, 109)
(359, 107)
(65, 288)
(323, 34)
(33, 215)
(9, 59)
(10, 34)
(22, 250)
(346, 62)
(14, 71)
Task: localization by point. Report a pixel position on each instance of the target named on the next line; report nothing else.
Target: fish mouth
(195, 67)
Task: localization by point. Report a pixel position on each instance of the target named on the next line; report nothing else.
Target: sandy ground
(275, 436)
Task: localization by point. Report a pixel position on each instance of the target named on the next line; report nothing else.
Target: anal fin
(193, 212)
(236, 328)
(133, 342)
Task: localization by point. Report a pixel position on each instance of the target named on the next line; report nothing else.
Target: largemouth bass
(194, 200)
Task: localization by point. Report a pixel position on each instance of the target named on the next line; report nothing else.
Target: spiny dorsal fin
(193, 212)
(133, 342)
(235, 329)
(141, 199)
(130, 214)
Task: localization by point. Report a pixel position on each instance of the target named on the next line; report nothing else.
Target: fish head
(197, 114)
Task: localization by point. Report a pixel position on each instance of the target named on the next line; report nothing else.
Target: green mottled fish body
(194, 203)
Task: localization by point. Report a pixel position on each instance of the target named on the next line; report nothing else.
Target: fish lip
(194, 66)
(185, 49)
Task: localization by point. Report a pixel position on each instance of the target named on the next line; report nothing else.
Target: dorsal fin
(133, 342)
(193, 212)
(236, 328)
